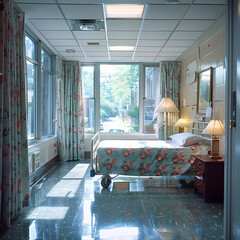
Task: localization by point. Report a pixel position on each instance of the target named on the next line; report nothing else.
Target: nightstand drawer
(199, 185)
(199, 164)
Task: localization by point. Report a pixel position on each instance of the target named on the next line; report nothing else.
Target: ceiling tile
(41, 11)
(57, 34)
(122, 42)
(83, 11)
(205, 12)
(35, 1)
(63, 48)
(168, 2)
(165, 11)
(154, 35)
(85, 42)
(94, 48)
(121, 54)
(186, 35)
(209, 2)
(80, 1)
(145, 54)
(194, 25)
(151, 49)
(158, 25)
(179, 43)
(151, 43)
(75, 54)
(82, 35)
(41, 24)
(65, 42)
(123, 25)
(97, 54)
(97, 59)
(169, 54)
(174, 49)
(122, 34)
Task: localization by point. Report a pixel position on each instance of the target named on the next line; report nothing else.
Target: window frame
(36, 65)
(39, 68)
(51, 91)
(94, 91)
(145, 65)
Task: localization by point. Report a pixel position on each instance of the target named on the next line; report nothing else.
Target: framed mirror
(204, 90)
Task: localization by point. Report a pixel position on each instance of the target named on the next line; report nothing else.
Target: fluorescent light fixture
(124, 11)
(121, 48)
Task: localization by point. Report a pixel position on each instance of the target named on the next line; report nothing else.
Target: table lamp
(166, 105)
(182, 123)
(214, 128)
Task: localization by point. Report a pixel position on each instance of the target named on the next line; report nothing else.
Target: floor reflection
(70, 206)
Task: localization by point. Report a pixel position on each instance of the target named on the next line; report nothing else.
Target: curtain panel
(14, 174)
(70, 111)
(170, 73)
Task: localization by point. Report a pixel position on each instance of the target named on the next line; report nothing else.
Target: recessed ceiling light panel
(124, 11)
(121, 48)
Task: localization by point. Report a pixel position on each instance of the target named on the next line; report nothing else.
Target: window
(88, 97)
(46, 94)
(119, 98)
(151, 100)
(41, 90)
(31, 81)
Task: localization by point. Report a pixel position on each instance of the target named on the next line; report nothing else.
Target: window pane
(152, 91)
(46, 120)
(88, 115)
(30, 48)
(87, 81)
(119, 108)
(46, 61)
(88, 101)
(31, 76)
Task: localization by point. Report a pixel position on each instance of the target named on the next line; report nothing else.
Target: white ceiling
(167, 30)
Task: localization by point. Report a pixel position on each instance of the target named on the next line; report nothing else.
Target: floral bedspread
(145, 158)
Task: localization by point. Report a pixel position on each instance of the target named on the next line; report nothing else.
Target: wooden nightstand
(209, 177)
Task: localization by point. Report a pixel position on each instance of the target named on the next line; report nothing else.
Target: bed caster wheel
(106, 182)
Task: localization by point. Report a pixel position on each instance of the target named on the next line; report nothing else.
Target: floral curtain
(14, 175)
(70, 111)
(170, 73)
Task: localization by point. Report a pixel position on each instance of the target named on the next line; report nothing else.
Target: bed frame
(197, 128)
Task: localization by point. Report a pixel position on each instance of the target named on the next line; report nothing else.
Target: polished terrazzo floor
(67, 204)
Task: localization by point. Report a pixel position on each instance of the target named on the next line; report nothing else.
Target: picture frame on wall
(204, 90)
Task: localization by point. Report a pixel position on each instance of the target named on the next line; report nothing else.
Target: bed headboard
(198, 127)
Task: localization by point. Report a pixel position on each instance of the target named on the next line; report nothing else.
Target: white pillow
(186, 139)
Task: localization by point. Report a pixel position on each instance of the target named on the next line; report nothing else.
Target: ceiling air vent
(86, 25)
(93, 43)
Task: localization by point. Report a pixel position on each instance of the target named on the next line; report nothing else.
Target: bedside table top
(207, 158)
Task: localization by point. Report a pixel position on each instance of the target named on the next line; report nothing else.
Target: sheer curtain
(170, 73)
(14, 174)
(70, 111)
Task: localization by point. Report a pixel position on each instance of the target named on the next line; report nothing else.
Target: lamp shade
(214, 127)
(182, 122)
(166, 105)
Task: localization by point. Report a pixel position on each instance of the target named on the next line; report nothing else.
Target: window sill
(35, 142)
